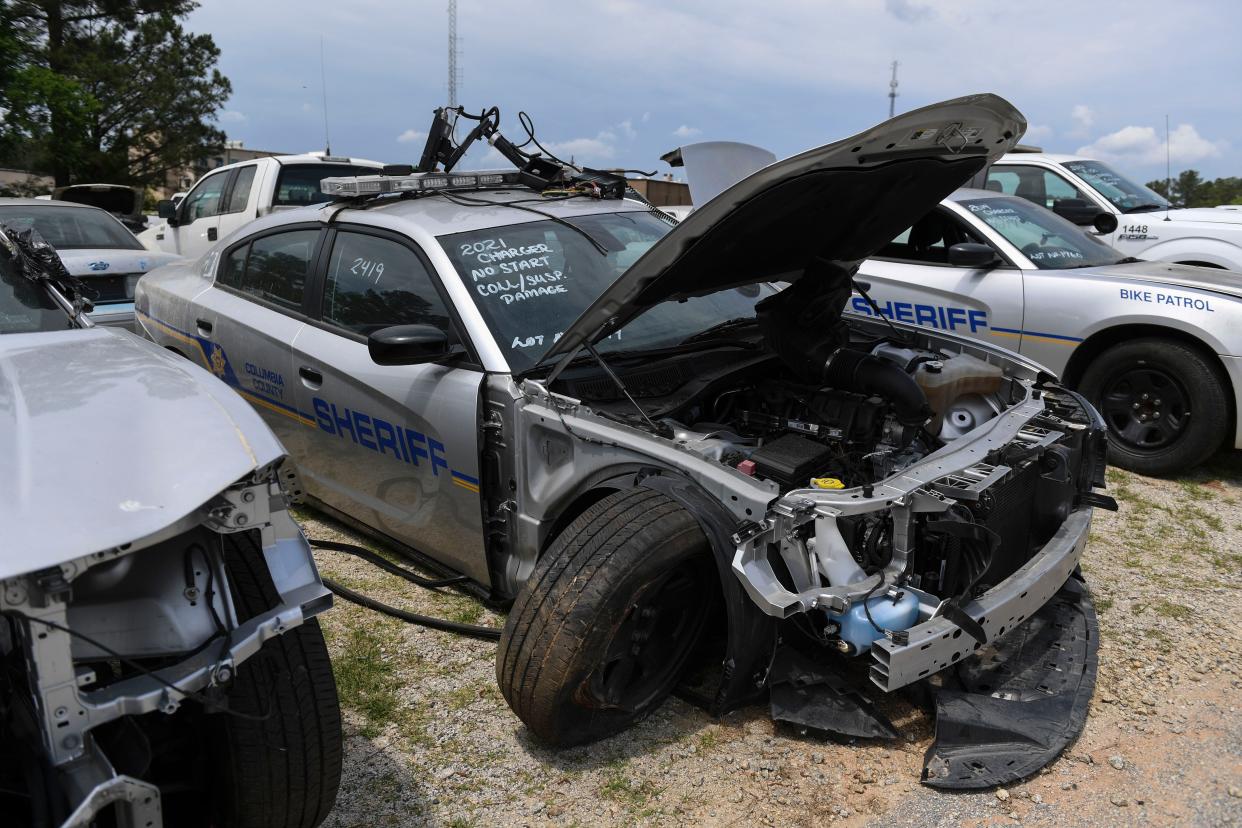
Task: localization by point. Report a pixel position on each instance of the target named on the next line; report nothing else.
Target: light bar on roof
(369, 185)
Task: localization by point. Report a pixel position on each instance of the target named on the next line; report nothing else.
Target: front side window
(71, 228)
(1035, 184)
(204, 200)
(531, 281)
(1049, 241)
(272, 268)
(298, 184)
(241, 189)
(1126, 195)
(374, 283)
(929, 240)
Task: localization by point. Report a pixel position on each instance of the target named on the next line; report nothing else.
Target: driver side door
(395, 447)
(911, 280)
(198, 215)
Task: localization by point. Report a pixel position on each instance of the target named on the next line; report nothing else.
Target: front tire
(603, 628)
(283, 771)
(1165, 404)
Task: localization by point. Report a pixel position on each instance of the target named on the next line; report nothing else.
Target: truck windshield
(70, 228)
(1049, 241)
(531, 281)
(1126, 196)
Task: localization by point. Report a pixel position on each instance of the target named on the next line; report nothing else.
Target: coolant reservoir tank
(888, 614)
(943, 381)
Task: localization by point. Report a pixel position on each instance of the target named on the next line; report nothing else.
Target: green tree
(1191, 190)
(106, 90)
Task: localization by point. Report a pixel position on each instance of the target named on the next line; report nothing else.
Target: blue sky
(620, 82)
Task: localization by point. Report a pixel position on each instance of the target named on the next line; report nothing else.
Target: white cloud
(1084, 119)
(410, 136)
(1036, 133)
(646, 117)
(231, 116)
(684, 131)
(585, 150)
(908, 11)
(1144, 145)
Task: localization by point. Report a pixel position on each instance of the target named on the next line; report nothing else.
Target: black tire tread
(282, 772)
(549, 622)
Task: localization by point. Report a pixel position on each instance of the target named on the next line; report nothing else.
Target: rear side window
(272, 268)
(241, 189)
(374, 283)
(298, 184)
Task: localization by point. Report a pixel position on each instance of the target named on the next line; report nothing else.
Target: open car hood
(840, 202)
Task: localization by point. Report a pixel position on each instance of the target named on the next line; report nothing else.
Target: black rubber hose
(385, 564)
(468, 630)
(851, 370)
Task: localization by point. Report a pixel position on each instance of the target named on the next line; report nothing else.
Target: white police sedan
(1157, 347)
(93, 246)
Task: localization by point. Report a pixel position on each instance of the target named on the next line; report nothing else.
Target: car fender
(1197, 248)
(1219, 333)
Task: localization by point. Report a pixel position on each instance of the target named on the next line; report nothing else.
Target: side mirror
(1076, 210)
(166, 209)
(972, 254)
(409, 345)
(1104, 223)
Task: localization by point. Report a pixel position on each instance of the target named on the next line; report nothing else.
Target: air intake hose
(857, 371)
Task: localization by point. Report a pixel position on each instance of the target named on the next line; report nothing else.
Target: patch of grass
(709, 739)
(1228, 561)
(1196, 491)
(1167, 609)
(365, 680)
(1115, 476)
(620, 788)
(1103, 605)
(1212, 521)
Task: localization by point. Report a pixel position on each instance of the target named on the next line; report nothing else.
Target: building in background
(180, 180)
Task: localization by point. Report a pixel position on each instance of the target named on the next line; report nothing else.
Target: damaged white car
(702, 481)
(161, 664)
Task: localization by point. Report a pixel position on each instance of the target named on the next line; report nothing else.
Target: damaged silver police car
(161, 663)
(682, 477)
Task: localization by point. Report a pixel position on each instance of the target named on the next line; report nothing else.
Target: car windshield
(1049, 241)
(70, 228)
(298, 184)
(531, 281)
(1126, 196)
(26, 306)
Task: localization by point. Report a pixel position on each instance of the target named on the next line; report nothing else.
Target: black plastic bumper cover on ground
(1013, 707)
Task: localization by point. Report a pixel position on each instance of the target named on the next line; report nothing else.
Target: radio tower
(892, 92)
(452, 53)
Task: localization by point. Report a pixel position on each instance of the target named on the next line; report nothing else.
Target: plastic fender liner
(1020, 701)
(752, 634)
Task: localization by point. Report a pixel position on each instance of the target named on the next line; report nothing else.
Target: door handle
(212, 234)
(204, 327)
(310, 377)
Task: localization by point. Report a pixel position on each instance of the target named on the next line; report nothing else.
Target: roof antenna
(323, 85)
(1168, 169)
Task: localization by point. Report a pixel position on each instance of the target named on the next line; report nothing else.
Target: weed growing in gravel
(365, 680)
(618, 787)
(1195, 490)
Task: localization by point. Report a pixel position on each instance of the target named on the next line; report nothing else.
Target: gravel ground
(430, 741)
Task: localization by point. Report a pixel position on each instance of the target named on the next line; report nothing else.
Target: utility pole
(892, 92)
(452, 53)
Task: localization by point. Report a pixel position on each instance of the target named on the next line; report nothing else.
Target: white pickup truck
(233, 195)
(1081, 189)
